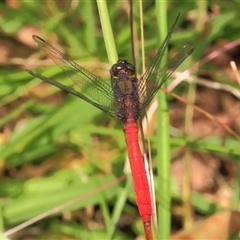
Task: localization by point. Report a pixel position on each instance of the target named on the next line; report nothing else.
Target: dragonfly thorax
(125, 88)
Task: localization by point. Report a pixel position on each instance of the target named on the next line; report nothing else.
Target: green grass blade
(107, 32)
(163, 142)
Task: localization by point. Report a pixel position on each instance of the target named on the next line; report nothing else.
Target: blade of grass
(16, 112)
(43, 124)
(77, 195)
(107, 31)
(163, 156)
(122, 196)
(89, 31)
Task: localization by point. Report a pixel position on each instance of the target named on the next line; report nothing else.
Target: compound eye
(130, 69)
(115, 69)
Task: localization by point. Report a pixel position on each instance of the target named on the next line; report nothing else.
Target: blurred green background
(55, 147)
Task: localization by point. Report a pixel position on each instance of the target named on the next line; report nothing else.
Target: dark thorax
(125, 88)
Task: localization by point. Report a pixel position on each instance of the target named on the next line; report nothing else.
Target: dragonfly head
(122, 67)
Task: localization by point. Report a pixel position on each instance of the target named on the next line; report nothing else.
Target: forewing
(154, 77)
(89, 87)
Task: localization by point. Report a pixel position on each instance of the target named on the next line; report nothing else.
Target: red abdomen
(141, 185)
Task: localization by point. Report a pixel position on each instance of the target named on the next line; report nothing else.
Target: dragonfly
(124, 99)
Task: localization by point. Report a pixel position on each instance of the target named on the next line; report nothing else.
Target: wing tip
(37, 38)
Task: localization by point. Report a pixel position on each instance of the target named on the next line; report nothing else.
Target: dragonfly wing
(87, 86)
(72, 91)
(154, 77)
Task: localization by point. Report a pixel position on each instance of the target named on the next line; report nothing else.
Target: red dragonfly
(124, 99)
